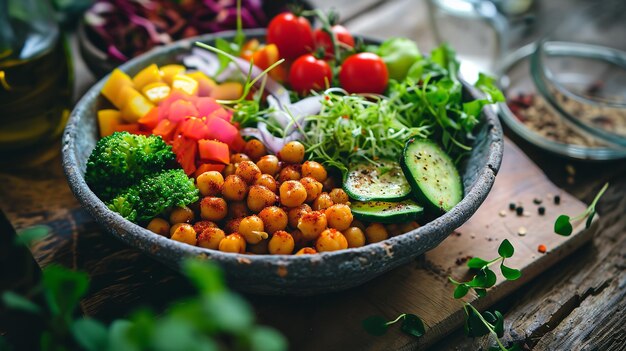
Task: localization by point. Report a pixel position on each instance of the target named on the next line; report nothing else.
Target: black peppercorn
(557, 199)
(541, 210)
(512, 206)
(519, 210)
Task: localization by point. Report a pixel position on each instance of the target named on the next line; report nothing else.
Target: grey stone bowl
(278, 274)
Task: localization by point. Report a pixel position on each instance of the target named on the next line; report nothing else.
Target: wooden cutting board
(333, 322)
(122, 278)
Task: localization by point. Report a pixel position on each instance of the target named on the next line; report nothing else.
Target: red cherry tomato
(364, 72)
(309, 73)
(292, 34)
(322, 39)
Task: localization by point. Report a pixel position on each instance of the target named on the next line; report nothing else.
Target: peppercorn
(519, 210)
(537, 201)
(542, 248)
(541, 210)
(557, 199)
(512, 206)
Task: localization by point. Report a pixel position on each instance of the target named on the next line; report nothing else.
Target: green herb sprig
(563, 224)
(476, 323)
(486, 278)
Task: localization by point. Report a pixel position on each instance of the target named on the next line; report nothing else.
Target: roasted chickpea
(339, 196)
(210, 238)
(267, 181)
(235, 188)
(314, 170)
(274, 218)
(200, 226)
(311, 224)
(355, 237)
(358, 224)
(407, 227)
(210, 183)
(232, 225)
(313, 188)
(331, 240)
(289, 172)
(260, 248)
(268, 164)
(251, 228)
(174, 227)
(376, 232)
(322, 202)
(260, 197)
(339, 216)
(255, 149)
(393, 229)
(292, 152)
(294, 214)
(248, 171)
(229, 169)
(181, 215)
(298, 238)
(233, 243)
(238, 209)
(185, 234)
(159, 226)
(281, 243)
(213, 208)
(292, 193)
(306, 251)
(237, 158)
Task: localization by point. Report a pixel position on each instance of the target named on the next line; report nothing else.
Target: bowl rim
(156, 245)
(573, 151)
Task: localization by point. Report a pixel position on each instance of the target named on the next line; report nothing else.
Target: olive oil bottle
(35, 82)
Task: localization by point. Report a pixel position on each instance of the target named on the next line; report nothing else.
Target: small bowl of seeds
(561, 97)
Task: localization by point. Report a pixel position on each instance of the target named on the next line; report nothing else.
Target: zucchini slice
(432, 174)
(385, 211)
(382, 181)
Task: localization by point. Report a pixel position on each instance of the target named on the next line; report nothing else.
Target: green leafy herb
(486, 278)
(213, 319)
(411, 325)
(563, 224)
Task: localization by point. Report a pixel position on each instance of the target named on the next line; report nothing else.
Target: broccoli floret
(154, 194)
(123, 159)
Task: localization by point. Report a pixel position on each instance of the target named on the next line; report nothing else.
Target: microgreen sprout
(411, 325)
(476, 323)
(563, 224)
(486, 278)
(249, 83)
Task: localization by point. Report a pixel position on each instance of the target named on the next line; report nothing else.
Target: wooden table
(578, 304)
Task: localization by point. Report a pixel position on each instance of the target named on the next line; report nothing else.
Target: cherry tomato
(364, 72)
(309, 73)
(292, 34)
(323, 40)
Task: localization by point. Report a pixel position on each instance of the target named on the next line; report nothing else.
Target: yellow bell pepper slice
(155, 92)
(107, 120)
(135, 105)
(205, 84)
(185, 84)
(114, 86)
(146, 76)
(169, 71)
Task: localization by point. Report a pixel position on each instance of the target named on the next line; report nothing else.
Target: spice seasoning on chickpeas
(264, 204)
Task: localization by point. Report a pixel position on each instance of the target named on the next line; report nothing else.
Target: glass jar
(35, 82)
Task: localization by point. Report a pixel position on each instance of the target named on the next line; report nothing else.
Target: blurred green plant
(214, 319)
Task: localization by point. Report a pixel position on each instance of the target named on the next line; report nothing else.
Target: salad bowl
(278, 274)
